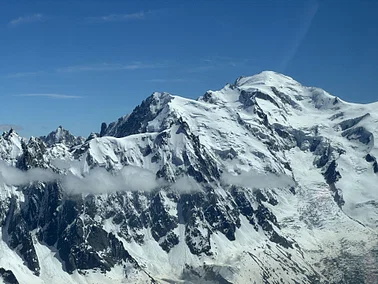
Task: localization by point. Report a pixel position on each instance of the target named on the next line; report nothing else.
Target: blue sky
(78, 63)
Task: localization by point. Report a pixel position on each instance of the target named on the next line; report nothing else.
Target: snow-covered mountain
(263, 181)
(62, 136)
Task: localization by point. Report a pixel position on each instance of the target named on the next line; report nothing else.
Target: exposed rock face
(371, 159)
(103, 129)
(349, 123)
(264, 180)
(360, 134)
(61, 135)
(138, 120)
(32, 154)
(7, 276)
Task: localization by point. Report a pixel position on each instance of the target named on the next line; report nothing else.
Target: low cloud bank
(99, 180)
(131, 178)
(13, 176)
(186, 184)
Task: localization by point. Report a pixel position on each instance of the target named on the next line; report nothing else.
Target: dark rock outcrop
(7, 276)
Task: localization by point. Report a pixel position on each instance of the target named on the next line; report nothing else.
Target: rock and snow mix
(263, 181)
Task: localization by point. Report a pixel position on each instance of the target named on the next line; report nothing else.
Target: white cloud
(257, 180)
(6, 127)
(186, 184)
(120, 17)
(27, 20)
(218, 63)
(13, 176)
(130, 178)
(174, 80)
(23, 74)
(53, 96)
(100, 67)
(98, 180)
(303, 27)
(104, 67)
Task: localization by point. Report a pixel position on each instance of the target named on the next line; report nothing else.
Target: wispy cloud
(23, 74)
(308, 15)
(109, 67)
(169, 80)
(120, 17)
(6, 127)
(27, 20)
(219, 62)
(52, 96)
(101, 67)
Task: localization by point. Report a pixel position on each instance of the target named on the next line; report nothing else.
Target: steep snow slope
(264, 181)
(10, 147)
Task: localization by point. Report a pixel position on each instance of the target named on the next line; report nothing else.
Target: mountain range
(263, 181)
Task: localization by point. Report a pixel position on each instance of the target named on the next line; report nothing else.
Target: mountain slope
(265, 180)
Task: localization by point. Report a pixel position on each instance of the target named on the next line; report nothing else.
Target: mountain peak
(61, 135)
(269, 78)
(9, 134)
(137, 121)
